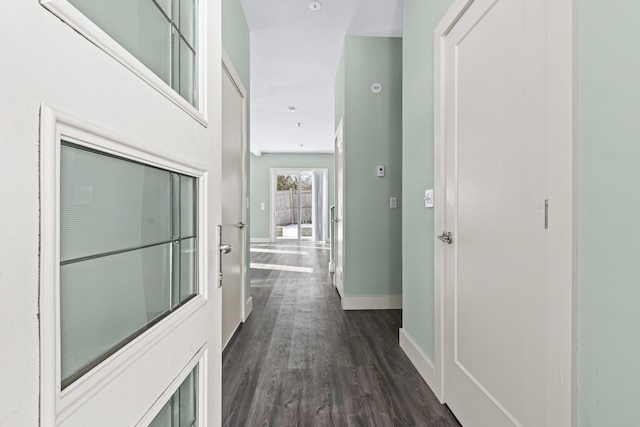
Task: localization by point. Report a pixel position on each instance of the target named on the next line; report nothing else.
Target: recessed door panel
(496, 189)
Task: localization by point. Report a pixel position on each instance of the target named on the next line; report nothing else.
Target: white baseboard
(423, 364)
(260, 240)
(248, 308)
(390, 302)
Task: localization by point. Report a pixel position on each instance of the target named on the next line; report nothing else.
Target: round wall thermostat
(376, 88)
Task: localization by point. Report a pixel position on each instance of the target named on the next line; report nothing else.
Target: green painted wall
(373, 136)
(420, 20)
(261, 180)
(235, 38)
(609, 290)
(235, 41)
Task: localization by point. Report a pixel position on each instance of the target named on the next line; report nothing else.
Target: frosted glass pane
(138, 26)
(187, 69)
(154, 40)
(175, 61)
(109, 204)
(182, 408)
(103, 301)
(163, 419)
(187, 268)
(188, 21)
(188, 399)
(187, 206)
(117, 18)
(175, 215)
(165, 5)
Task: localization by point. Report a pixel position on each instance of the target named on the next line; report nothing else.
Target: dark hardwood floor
(299, 360)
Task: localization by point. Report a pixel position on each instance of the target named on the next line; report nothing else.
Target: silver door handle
(446, 237)
(241, 225)
(222, 249)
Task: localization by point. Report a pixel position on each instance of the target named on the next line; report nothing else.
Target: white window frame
(85, 26)
(57, 404)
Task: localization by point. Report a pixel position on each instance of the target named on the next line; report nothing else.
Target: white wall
(45, 61)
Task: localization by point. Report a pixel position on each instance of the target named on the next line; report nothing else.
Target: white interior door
(233, 191)
(339, 211)
(496, 185)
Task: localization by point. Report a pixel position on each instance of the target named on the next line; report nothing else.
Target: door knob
(446, 237)
(225, 249)
(241, 225)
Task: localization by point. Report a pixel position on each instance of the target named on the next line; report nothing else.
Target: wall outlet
(262, 206)
(380, 170)
(393, 202)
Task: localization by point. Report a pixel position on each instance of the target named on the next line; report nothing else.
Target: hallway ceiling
(294, 56)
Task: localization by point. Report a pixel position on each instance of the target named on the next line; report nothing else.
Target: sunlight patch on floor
(277, 251)
(282, 267)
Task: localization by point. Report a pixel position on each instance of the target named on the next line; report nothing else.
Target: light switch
(393, 202)
(428, 198)
(380, 170)
(262, 206)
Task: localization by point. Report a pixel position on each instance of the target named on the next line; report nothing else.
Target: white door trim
(563, 202)
(339, 192)
(227, 66)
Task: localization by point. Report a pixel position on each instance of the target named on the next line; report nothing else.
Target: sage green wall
(261, 180)
(235, 41)
(373, 136)
(420, 20)
(609, 290)
(235, 38)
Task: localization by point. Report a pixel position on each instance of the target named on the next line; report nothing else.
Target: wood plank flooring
(299, 360)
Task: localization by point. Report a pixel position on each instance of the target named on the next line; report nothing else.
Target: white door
(496, 186)
(233, 193)
(339, 211)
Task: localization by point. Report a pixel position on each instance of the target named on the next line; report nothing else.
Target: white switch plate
(380, 170)
(428, 198)
(262, 206)
(393, 202)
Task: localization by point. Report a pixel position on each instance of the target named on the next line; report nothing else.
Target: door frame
(227, 66)
(325, 198)
(563, 201)
(339, 194)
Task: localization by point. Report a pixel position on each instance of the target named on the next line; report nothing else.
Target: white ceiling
(294, 57)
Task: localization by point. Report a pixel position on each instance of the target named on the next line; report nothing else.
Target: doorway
(232, 231)
(299, 204)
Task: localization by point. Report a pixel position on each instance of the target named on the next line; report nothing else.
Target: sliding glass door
(293, 205)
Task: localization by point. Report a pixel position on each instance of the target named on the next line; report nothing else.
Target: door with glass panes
(129, 311)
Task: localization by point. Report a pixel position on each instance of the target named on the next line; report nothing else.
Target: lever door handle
(446, 237)
(241, 225)
(225, 249)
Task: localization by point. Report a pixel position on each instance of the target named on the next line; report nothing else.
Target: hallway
(299, 360)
